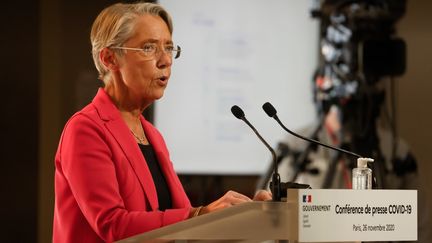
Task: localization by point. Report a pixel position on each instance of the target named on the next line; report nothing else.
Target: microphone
(282, 151)
(275, 185)
(271, 112)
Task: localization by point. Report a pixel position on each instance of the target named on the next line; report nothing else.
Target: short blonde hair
(115, 25)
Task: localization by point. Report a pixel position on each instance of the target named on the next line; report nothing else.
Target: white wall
(236, 52)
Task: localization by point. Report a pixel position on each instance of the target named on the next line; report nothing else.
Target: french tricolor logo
(307, 198)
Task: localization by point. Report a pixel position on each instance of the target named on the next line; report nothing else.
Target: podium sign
(306, 216)
(352, 215)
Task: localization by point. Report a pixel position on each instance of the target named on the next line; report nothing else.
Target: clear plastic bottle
(362, 175)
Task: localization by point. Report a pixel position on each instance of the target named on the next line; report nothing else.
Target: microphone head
(269, 109)
(237, 112)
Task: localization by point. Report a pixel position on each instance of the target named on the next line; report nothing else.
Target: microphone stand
(278, 189)
(271, 112)
(300, 161)
(284, 151)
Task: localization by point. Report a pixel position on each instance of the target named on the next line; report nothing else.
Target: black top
(163, 192)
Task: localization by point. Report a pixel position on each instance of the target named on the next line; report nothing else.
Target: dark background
(48, 74)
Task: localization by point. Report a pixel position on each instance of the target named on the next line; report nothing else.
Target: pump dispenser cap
(362, 162)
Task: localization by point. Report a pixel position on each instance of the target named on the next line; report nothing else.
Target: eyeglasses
(150, 50)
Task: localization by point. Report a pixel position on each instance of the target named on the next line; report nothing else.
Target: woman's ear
(109, 59)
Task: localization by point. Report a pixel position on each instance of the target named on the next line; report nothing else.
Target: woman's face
(146, 77)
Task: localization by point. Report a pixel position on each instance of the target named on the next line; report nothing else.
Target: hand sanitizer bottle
(362, 175)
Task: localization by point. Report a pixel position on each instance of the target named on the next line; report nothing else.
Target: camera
(358, 47)
(358, 38)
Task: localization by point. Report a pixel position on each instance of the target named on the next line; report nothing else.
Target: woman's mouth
(162, 80)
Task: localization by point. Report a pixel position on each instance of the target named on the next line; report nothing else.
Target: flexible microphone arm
(238, 112)
(275, 185)
(271, 112)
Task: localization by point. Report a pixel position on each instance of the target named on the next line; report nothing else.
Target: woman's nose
(164, 59)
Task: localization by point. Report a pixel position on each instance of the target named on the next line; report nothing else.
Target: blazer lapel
(119, 130)
(162, 155)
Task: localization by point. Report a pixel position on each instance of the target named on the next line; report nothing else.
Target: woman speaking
(113, 174)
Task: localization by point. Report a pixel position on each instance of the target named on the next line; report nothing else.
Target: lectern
(305, 216)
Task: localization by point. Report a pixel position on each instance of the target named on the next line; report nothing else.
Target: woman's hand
(262, 195)
(230, 198)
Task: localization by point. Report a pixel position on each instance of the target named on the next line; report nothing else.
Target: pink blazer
(103, 188)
